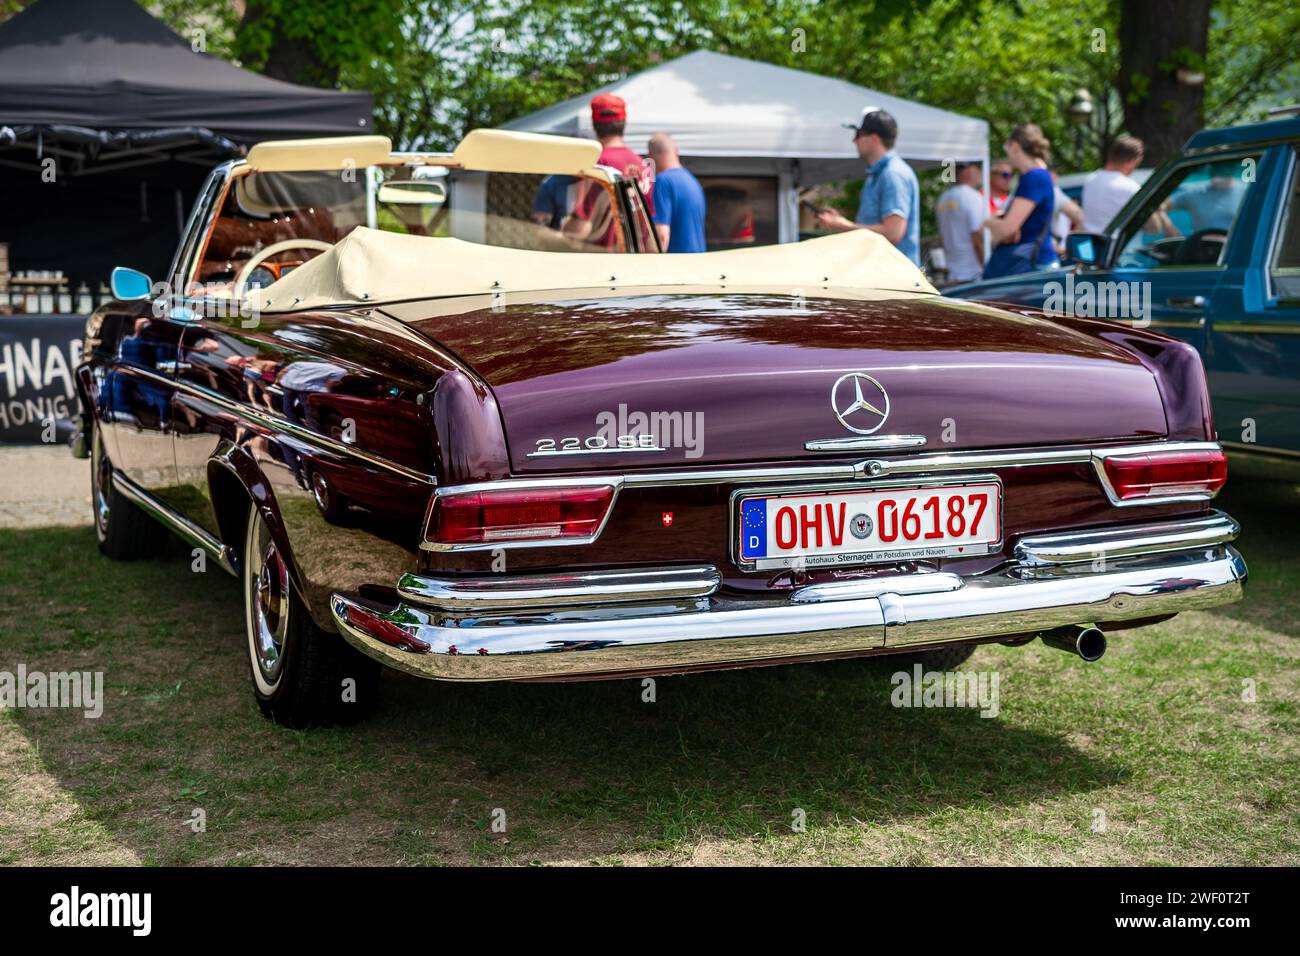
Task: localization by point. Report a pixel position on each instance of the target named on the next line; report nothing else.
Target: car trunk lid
(725, 378)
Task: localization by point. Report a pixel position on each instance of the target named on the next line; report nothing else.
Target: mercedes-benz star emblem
(860, 526)
(861, 407)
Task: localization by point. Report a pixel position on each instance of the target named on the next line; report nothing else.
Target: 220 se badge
(364, 456)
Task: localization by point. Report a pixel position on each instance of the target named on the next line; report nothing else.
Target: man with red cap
(592, 217)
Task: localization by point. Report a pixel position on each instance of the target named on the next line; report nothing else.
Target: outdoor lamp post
(1080, 112)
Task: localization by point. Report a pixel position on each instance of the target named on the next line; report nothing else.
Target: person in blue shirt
(1213, 205)
(891, 196)
(1022, 233)
(678, 199)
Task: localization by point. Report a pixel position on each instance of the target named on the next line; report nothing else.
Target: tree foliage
(440, 67)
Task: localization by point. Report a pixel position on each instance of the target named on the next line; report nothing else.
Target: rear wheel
(332, 505)
(302, 676)
(123, 531)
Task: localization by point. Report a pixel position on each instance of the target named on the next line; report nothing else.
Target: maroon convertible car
(429, 430)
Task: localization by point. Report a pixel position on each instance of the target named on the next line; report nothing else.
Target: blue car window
(1189, 220)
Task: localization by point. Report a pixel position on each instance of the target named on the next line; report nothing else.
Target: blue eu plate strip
(753, 528)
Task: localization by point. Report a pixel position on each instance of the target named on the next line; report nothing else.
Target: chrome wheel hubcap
(270, 606)
(103, 472)
(321, 490)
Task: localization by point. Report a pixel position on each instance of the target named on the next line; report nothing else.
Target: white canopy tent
(737, 117)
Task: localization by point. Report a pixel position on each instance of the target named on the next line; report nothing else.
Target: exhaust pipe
(1088, 643)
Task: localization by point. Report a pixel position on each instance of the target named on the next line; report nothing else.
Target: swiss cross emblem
(668, 519)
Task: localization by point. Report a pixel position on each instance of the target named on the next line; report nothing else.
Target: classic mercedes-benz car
(428, 431)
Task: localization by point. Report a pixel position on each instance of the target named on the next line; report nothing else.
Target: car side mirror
(130, 284)
(1086, 247)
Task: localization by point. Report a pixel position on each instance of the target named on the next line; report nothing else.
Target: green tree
(1162, 71)
(440, 67)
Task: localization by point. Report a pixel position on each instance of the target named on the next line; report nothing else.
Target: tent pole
(988, 198)
(787, 209)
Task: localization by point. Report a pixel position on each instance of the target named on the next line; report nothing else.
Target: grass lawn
(1155, 740)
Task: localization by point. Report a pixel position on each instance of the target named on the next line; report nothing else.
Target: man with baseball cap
(592, 217)
(891, 195)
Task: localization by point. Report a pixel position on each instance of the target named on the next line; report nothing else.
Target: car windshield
(514, 210)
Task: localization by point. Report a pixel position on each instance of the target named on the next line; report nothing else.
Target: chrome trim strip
(550, 590)
(725, 631)
(866, 469)
(1019, 459)
(223, 555)
(1113, 543)
(925, 582)
(958, 461)
(863, 444)
(592, 451)
(276, 423)
(724, 475)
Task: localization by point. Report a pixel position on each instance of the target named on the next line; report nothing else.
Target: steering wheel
(1187, 252)
(275, 248)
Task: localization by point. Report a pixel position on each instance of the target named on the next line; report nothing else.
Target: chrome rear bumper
(598, 624)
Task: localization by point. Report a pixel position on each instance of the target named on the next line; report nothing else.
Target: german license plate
(828, 528)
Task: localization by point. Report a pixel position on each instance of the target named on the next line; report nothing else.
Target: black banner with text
(38, 357)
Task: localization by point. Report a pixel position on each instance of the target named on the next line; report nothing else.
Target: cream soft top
(370, 266)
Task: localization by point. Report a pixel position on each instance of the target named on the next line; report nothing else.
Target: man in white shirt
(1066, 216)
(1109, 188)
(961, 213)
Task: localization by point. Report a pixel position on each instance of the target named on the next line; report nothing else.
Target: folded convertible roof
(369, 267)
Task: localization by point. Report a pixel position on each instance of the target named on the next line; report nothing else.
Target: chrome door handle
(171, 366)
(1186, 301)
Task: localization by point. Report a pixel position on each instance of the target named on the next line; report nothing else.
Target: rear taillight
(1167, 473)
(537, 514)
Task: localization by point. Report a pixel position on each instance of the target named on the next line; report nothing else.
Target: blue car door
(1172, 253)
(1253, 357)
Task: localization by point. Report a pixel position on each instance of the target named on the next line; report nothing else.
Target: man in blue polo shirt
(678, 199)
(891, 196)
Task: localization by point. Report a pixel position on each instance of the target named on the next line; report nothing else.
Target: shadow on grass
(730, 754)
(1269, 513)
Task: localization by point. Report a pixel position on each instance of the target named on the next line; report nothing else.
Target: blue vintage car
(1208, 251)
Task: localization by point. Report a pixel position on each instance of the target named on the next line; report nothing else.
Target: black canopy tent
(132, 118)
